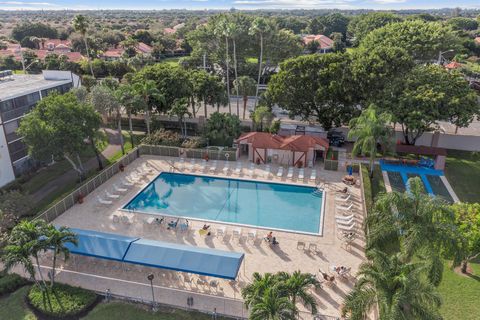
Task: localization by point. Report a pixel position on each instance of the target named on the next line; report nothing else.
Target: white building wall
(6, 169)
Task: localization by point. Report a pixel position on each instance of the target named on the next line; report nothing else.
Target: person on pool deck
(205, 227)
(173, 224)
(274, 241)
(269, 236)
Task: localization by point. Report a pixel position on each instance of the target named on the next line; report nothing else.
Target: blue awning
(100, 244)
(179, 257)
(158, 254)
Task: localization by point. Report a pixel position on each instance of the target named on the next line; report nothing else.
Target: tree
(262, 115)
(58, 127)
(80, 24)
(56, 240)
(222, 128)
(224, 30)
(245, 86)
(369, 130)
(338, 44)
(421, 225)
(467, 218)
(394, 284)
(255, 290)
(426, 95)
(360, 26)
(421, 40)
(315, 86)
(461, 23)
(130, 45)
(334, 23)
(180, 110)
(235, 32)
(297, 285)
(28, 29)
(150, 94)
(131, 102)
(259, 27)
(273, 306)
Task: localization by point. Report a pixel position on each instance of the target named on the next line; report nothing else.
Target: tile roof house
(51, 46)
(453, 65)
(117, 53)
(325, 44)
(295, 150)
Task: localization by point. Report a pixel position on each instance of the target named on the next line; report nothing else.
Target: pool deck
(173, 287)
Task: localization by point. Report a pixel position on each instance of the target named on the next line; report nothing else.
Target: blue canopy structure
(158, 254)
(204, 261)
(100, 244)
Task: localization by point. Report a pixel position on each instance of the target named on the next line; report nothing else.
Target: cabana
(296, 150)
(157, 254)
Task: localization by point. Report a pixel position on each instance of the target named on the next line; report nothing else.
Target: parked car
(336, 138)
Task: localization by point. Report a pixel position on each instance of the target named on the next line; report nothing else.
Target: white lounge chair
(238, 169)
(213, 166)
(127, 183)
(343, 199)
(345, 222)
(346, 228)
(119, 189)
(181, 164)
(252, 235)
(290, 173)
(313, 175)
(191, 167)
(280, 172)
(310, 163)
(312, 247)
(252, 169)
(237, 233)
(146, 167)
(226, 168)
(344, 217)
(301, 174)
(221, 231)
(134, 177)
(345, 207)
(111, 196)
(103, 201)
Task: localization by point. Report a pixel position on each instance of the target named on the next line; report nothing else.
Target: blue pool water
(269, 205)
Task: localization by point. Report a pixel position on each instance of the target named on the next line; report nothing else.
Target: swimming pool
(244, 202)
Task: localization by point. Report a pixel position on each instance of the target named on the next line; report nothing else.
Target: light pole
(150, 277)
(440, 56)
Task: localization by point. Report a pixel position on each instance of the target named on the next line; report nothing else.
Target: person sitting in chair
(173, 224)
(269, 236)
(205, 227)
(274, 241)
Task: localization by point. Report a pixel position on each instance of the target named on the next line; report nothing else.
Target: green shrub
(71, 300)
(10, 282)
(194, 143)
(163, 137)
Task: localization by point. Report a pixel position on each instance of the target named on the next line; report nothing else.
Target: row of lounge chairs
(345, 216)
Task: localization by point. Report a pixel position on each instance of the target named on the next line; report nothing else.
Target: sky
(239, 4)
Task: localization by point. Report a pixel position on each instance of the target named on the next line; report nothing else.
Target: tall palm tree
(245, 86)
(255, 290)
(147, 89)
(235, 31)
(80, 24)
(127, 97)
(297, 285)
(223, 30)
(369, 129)
(180, 110)
(259, 27)
(271, 305)
(422, 225)
(17, 254)
(396, 286)
(57, 239)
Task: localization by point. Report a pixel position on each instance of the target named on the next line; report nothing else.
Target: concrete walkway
(71, 176)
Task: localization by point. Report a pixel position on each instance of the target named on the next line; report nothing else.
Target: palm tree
(396, 286)
(297, 285)
(125, 95)
(259, 27)
(148, 91)
(369, 129)
(223, 30)
(180, 110)
(57, 238)
(80, 24)
(234, 31)
(422, 225)
(16, 254)
(255, 290)
(245, 86)
(271, 305)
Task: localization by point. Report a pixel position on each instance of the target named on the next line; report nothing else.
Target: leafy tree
(245, 86)
(273, 306)
(58, 126)
(80, 24)
(315, 26)
(461, 23)
(467, 217)
(143, 36)
(282, 45)
(130, 45)
(57, 239)
(131, 102)
(396, 285)
(150, 95)
(28, 29)
(338, 44)
(421, 40)
(422, 225)
(262, 116)
(369, 130)
(180, 110)
(312, 46)
(334, 23)
(297, 285)
(362, 25)
(428, 94)
(294, 24)
(315, 86)
(222, 128)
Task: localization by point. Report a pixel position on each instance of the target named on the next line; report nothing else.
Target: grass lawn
(173, 62)
(463, 173)
(13, 307)
(460, 294)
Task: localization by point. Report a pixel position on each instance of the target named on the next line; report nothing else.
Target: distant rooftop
(21, 84)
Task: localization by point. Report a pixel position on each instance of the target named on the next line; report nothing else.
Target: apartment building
(18, 95)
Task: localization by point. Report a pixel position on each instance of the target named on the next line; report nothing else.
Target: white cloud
(21, 3)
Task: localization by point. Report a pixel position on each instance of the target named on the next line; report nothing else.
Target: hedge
(10, 282)
(66, 302)
(367, 188)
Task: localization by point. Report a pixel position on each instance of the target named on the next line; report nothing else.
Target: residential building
(18, 95)
(117, 53)
(325, 44)
(47, 47)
